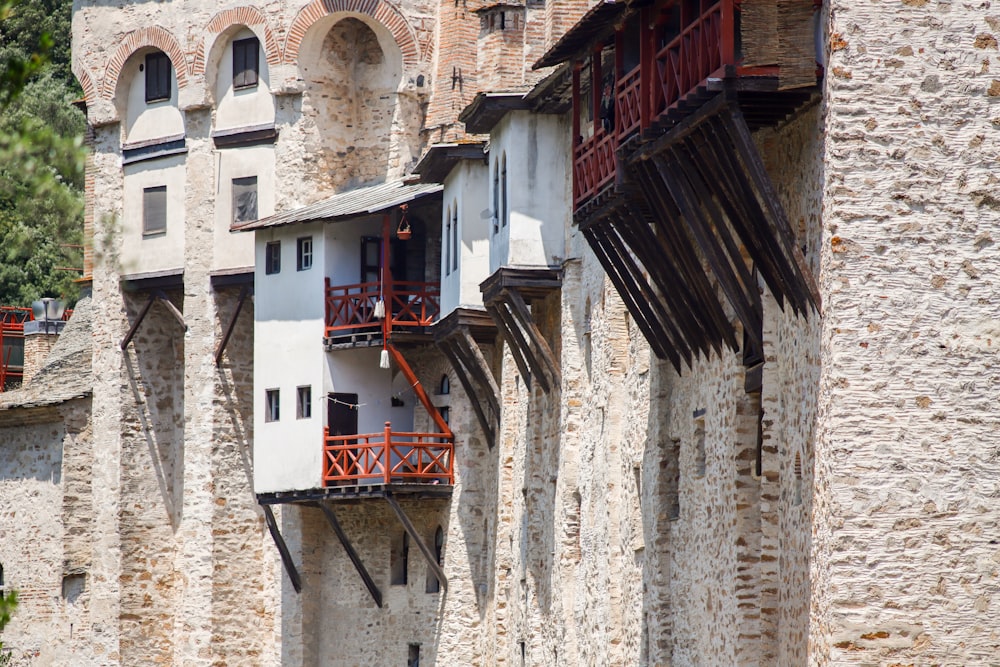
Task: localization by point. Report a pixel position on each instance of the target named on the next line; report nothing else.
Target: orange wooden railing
(12, 321)
(628, 103)
(407, 304)
(388, 458)
(594, 165)
(706, 43)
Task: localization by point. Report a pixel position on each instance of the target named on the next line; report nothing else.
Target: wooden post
(386, 280)
(387, 463)
(728, 30)
(419, 390)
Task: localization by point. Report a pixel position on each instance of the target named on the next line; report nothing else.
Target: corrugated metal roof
(594, 26)
(351, 204)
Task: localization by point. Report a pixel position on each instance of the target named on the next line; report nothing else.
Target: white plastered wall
(537, 148)
(467, 187)
(146, 121)
(246, 107)
(288, 353)
(155, 252)
(233, 249)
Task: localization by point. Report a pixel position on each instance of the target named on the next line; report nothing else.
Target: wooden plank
(474, 399)
(671, 227)
(520, 309)
(495, 309)
(618, 238)
(418, 389)
(415, 536)
(373, 589)
(673, 176)
(519, 342)
(627, 294)
(681, 129)
(279, 541)
(178, 315)
(481, 369)
(244, 292)
(135, 326)
(748, 154)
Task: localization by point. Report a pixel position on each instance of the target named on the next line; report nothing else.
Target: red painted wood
(389, 457)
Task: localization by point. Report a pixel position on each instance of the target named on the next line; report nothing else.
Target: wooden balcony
(350, 309)
(390, 457)
(594, 166)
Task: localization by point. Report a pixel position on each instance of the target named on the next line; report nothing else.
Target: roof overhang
(354, 203)
(440, 159)
(595, 26)
(487, 109)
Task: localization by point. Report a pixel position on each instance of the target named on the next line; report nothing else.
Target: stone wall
(905, 515)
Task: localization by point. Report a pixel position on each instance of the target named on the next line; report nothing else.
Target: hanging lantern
(403, 231)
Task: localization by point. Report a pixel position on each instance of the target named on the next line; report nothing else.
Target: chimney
(41, 334)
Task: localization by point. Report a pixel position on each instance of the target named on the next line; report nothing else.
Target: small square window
(245, 199)
(154, 210)
(246, 62)
(304, 253)
(272, 405)
(272, 257)
(158, 77)
(303, 403)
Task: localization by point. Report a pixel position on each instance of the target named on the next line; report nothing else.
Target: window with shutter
(158, 75)
(272, 257)
(246, 62)
(154, 210)
(245, 199)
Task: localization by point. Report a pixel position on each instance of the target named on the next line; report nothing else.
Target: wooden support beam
(244, 293)
(135, 326)
(418, 388)
(509, 332)
(449, 347)
(415, 536)
(352, 554)
(279, 541)
(178, 315)
(480, 369)
(540, 345)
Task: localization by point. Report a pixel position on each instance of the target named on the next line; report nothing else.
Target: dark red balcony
(390, 457)
(408, 305)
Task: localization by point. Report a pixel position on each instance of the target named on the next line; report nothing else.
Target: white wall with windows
(233, 249)
(148, 120)
(289, 314)
(153, 239)
(242, 81)
(465, 247)
(530, 189)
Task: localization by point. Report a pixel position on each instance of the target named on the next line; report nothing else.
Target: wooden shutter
(154, 210)
(157, 77)
(246, 62)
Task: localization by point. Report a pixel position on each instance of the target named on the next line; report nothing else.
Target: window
(699, 445)
(303, 403)
(304, 253)
(272, 257)
(158, 77)
(504, 213)
(272, 405)
(496, 197)
(246, 62)
(154, 210)
(445, 386)
(245, 199)
(454, 238)
(2, 590)
(447, 242)
(398, 559)
(413, 656)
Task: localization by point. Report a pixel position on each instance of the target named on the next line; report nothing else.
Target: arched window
(496, 196)
(398, 558)
(445, 386)
(454, 237)
(447, 242)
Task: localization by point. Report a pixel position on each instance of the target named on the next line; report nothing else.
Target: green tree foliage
(8, 603)
(41, 156)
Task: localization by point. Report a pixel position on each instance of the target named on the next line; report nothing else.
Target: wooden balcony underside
(697, 195)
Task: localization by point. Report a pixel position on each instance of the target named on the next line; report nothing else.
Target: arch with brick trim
(86, 83)
(378, 10)
(224, 21)
(153, 36)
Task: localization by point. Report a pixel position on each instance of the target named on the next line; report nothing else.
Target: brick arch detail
(381, 11)
(87, 83)
(227, 18)
(154, 36)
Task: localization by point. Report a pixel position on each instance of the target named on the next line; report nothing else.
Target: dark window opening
(447, 242)
(505, 213)
(454, 238)
(433, 585)
(272, 257)
(303, 403)
(73, 586)
(445, 386)
(246, 62)
(272, 405)
(304, 253)
(2, 589)
(158, 77)
(398, 558)
(397, 402)
(699, 448)
(496, 196)
(154, 210)
(245, 199)
(413, 656)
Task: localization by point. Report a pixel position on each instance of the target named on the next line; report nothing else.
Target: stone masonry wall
(905, 516)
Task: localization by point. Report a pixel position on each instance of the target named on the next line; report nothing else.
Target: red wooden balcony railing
(12, 321)
(628, 103)
(388, 458)
(407, 304)
(704, 45)
(593, 166)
